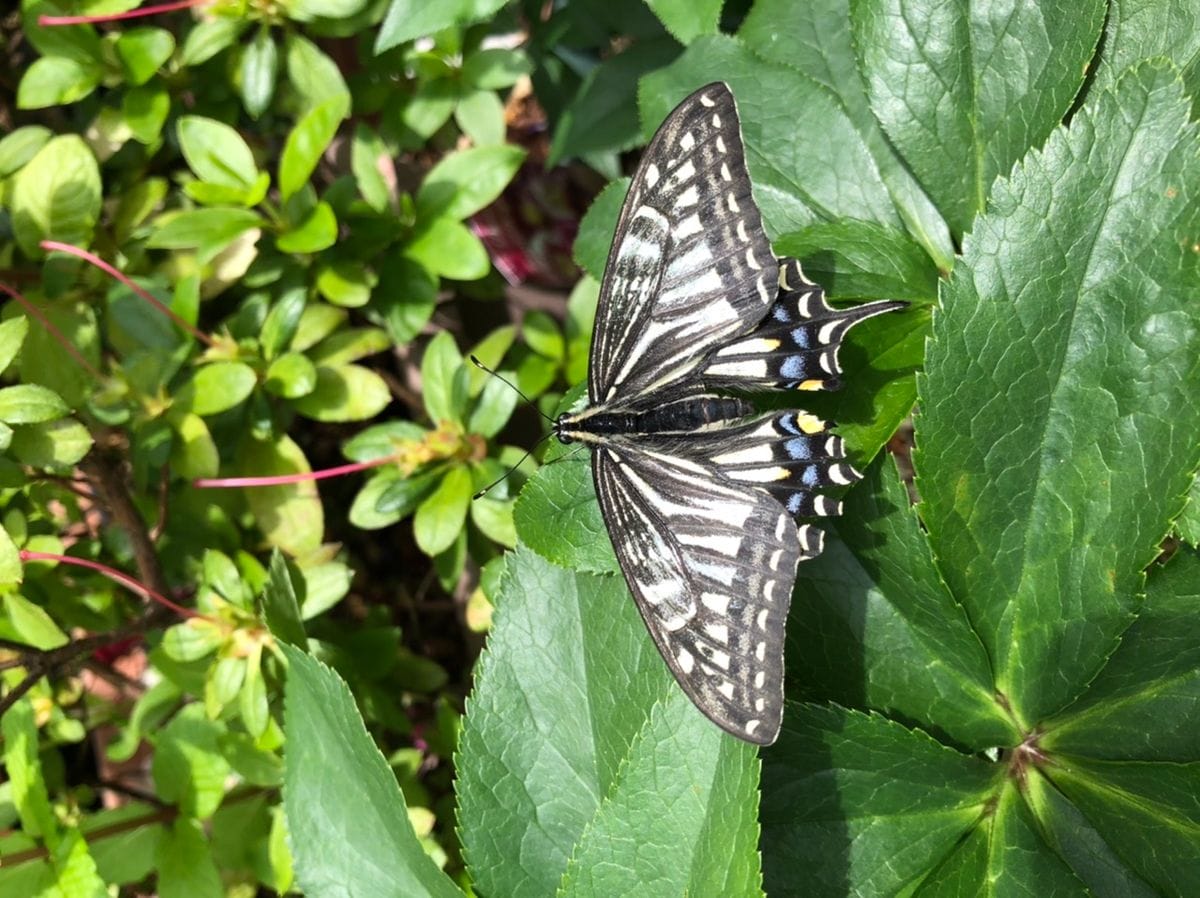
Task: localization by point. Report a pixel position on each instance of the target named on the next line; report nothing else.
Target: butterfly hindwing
(714, 584)
(796, 344)
(690, 265)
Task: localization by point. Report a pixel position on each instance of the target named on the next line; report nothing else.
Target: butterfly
(700, 493)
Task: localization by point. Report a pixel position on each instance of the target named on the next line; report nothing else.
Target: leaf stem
(51, 21)
(300, 477)
(34, 312)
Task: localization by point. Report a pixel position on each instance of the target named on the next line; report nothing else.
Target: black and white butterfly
(699, 492)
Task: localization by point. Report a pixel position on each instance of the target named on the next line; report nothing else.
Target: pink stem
(301, 477)
(112, 574)
(54, 245)
(53, 331)
(46, 21)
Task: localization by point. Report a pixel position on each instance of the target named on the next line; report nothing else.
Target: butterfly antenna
(487, 489)
(482, 367)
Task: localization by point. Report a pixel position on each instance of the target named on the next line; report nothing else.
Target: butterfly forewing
(690, 265)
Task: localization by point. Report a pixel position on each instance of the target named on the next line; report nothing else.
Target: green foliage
(994, 690)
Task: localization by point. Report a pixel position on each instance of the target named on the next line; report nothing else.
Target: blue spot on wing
(798, 449)
(800, 335)
(811, 476)
(793, 502)
(792, 367)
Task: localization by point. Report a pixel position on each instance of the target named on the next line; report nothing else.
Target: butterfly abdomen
(682, 416)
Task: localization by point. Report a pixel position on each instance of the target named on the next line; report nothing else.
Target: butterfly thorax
(697, 413)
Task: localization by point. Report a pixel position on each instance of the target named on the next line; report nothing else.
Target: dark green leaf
(349, 825)
(56, 196)
(145, 110)
(815, 38)
(878, 629)
(856, 798)
(1151, 684)
(280, 605)
(598, 227)
(495, 68)
(189, 768)
(397, 498)
(643, 788)
(1136, 31)
(966, 91)
(494, 408)
(406, 297)
(282, 321)
(810, 167)
(1058, 407)
(687, 19)
(185, 864)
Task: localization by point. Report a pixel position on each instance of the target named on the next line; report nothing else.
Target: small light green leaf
(541, 333)
(462, 183)
(291, 376)
(30, 404)
(12, 335)
(259, 69)
(448, 248)
(495, 68)
(208, 38)
(313, 75)
(440, 517)
(345, 283)
(281, 606)
(493, 409)
(189, 768)
(443, 379)
(142, 51)
(318, 231)
(206, 230)
(54, 444)
(365, 512)
(215, 152)
(56, 81)
(494, 518)
(11, 570)
(56, 196)
(367, 153)
(282, 321)
(686, 19)
(185, 864)
(27, 783)
(344, 393)
(290, 515)
(192, 640)
(252, 699)
(361, 808)
(307, 10)
(317, 322)
(349, 345)
(145, 110)
(30, 622)
(480, 114)
(194, 453)
(216, 387)
(21, 145)
(307, 141)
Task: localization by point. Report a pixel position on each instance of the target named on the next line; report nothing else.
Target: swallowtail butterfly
(699, 492)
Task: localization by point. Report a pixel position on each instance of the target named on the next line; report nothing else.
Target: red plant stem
(113, 574)
(54, 245)
(46, 21)
(53, 331)
(283, 479)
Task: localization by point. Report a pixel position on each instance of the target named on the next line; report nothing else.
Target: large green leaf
(582, 766)
(965, 89)
(855, 803)
(348, 826)
(810, 166)
(56, 196)
(815, 38)
(1060, 425)
(873, 625)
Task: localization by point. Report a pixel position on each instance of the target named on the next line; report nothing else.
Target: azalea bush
(248, 251)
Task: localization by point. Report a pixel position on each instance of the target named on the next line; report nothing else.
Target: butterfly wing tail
(796, 344)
